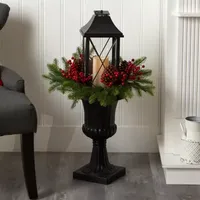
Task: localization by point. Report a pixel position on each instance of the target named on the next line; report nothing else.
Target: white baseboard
(71, 139)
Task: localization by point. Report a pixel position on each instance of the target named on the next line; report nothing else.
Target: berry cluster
(134, 71)
(126, 71)
(75, 71)
(112, 76)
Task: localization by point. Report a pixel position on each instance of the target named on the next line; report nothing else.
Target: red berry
(143, 66)
(140, 73)
(81, 74)
(132, 77)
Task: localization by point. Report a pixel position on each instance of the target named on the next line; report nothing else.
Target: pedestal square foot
(105, 177)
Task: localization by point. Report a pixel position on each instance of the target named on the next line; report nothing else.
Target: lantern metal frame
(101, 22)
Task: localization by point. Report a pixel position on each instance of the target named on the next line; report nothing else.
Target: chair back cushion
(4, 13)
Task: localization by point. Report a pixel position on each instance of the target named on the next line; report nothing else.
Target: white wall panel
(40, 30)
(72, 23)
(131, 112)
(52, 102)
(150, 47)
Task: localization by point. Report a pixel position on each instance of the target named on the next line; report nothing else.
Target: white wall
(40, 30)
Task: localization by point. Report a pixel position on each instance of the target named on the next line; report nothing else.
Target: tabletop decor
(100, 80)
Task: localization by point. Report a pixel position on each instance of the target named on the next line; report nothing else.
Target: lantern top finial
(101, 25)
(101, 13)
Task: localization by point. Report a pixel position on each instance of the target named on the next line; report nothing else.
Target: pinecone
(123, 65)
(110, 70)
(108, 76)
(80, 65)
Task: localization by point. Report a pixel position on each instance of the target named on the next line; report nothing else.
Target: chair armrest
(11, 79)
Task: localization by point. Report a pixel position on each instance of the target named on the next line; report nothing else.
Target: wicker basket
(190, 152)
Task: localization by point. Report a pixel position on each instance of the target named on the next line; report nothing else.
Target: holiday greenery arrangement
(118, 82)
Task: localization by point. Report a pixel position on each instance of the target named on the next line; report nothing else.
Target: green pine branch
(104, 95)
(146, 72)
(139, 61)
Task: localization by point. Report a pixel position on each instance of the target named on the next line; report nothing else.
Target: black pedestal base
(105, 177)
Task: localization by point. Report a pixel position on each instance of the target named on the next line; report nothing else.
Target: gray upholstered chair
(18, 115)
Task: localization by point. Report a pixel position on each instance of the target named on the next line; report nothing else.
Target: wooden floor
(144, 180)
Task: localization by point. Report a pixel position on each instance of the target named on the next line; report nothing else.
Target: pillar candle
(97, 64)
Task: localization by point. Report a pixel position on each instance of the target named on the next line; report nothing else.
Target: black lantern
(101, 26)
(99, 122)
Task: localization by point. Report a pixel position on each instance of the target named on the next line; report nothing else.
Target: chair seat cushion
(17, 113)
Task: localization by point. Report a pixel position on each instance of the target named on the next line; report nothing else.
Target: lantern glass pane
(99, 54)
(103, 46)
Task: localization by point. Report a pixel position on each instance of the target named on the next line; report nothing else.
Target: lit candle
(97, 72)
